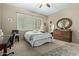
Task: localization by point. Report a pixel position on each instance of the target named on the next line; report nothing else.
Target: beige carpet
(22, 48)
(67, 49)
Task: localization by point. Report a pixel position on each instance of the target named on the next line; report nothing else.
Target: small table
(3, 44)
(4, 48)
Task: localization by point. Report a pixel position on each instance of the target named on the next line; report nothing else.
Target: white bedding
(36, 38)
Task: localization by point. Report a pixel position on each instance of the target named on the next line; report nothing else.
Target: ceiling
(34, 7)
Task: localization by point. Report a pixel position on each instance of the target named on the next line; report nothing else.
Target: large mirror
(64, 23)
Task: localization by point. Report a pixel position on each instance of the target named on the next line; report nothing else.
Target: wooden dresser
(64, 35)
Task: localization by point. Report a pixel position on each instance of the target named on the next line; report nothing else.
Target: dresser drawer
(63, 39)
(62, 35)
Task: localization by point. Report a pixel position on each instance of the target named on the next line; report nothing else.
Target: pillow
(1, 36)
(1, 33)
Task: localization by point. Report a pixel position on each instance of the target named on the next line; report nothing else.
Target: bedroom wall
(0, 15)
(71, 12)
(9, 13)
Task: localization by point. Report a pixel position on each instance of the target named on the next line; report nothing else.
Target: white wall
(0, 15)
(72, 13)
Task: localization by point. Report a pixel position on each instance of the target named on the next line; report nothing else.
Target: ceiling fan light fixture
(46, 4)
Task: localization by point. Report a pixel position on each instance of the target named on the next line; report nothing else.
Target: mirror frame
(68, 19)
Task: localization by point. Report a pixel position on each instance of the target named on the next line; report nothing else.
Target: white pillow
(1, 36)
(1, 33)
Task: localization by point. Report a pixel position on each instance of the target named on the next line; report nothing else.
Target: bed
(37, 38)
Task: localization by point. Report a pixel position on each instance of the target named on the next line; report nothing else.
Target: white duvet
(36, 38)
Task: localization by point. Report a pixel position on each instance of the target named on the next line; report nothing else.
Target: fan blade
(40, 6)
(48, 5)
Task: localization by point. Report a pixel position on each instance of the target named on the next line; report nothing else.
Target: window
(28, 22)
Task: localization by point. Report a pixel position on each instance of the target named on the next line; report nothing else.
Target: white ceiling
(34, 7)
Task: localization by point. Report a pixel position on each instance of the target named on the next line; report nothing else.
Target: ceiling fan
(46, 4)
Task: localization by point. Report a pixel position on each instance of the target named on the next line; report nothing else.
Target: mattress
(36, 38)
